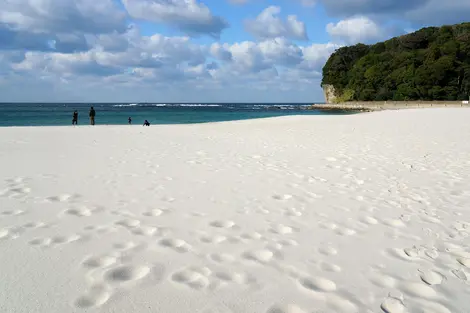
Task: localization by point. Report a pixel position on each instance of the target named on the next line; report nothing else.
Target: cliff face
(430, 64)
(329, 93)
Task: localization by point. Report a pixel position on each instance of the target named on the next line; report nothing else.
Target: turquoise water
(52, 114)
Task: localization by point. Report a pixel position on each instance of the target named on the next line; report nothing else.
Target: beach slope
(357, 213)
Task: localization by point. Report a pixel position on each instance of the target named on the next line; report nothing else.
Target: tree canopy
(432, 63)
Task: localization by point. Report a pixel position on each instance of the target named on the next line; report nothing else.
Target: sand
(359, 213)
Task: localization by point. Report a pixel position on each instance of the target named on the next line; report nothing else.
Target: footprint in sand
(329, 267)
(80, 212)
(287, 243)
(126, 273)
(143, 230)
(286, 308)
(343, 231)
(33, 225)
(282, 229)
(318, 284)
(408, 254)
(222, 224)
(369, 220)
(154, 213)
(232, 277)
(459, 274)
(393, 305)
(3, 233)
(260, 256)
(293, 212)
(192, 277)
(431, 277)
(128, 223)
(178, 245)
(221, 258)
(282, 197)
(63, 198)
(96, 296)
(327, 250)
(99, 261)
(464, 261)
(13, 213)
(251, 236)
(55, 240)
(213, 239)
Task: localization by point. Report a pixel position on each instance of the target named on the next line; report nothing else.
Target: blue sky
(191, 50)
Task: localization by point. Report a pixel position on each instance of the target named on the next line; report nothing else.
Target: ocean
(59, 114)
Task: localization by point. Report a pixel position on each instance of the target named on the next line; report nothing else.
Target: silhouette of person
(92, 116)
(75, 118)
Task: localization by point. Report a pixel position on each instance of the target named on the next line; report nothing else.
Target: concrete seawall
(391, 105)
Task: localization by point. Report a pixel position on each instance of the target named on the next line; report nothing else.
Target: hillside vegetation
(432, 63)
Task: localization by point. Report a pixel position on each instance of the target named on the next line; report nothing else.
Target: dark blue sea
(53, 114)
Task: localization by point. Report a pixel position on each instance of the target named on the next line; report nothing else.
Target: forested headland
(432, 63)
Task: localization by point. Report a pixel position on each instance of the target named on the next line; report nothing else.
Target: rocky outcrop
(330, 94)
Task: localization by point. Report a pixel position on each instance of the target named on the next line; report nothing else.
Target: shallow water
(55, 114)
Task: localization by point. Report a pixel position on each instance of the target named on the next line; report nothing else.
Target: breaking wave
(230, 106)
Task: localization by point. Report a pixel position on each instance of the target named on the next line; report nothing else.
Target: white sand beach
(314, 214)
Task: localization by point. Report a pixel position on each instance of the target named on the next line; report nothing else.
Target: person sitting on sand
(75, 118)
(92, 116)
(129, 120)
(146, 123)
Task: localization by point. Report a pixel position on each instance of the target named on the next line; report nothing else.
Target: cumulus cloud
(47, 16)
(50, 25)
(268, 24)
(190, 16)
(159, 62)
(361, 29)
(355, 30)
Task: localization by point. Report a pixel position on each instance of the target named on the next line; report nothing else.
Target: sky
(192, 50)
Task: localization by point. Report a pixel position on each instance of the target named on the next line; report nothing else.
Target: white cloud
(160, 63)
(268, 24)
(47, 25)
(316, 55)
(355, 30)
(190, 16)
(50, 16)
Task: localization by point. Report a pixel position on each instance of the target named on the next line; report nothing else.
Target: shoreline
(334, 110)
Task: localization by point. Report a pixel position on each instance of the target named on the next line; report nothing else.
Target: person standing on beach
(75, 118)
(129, 120)
(92, 116)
